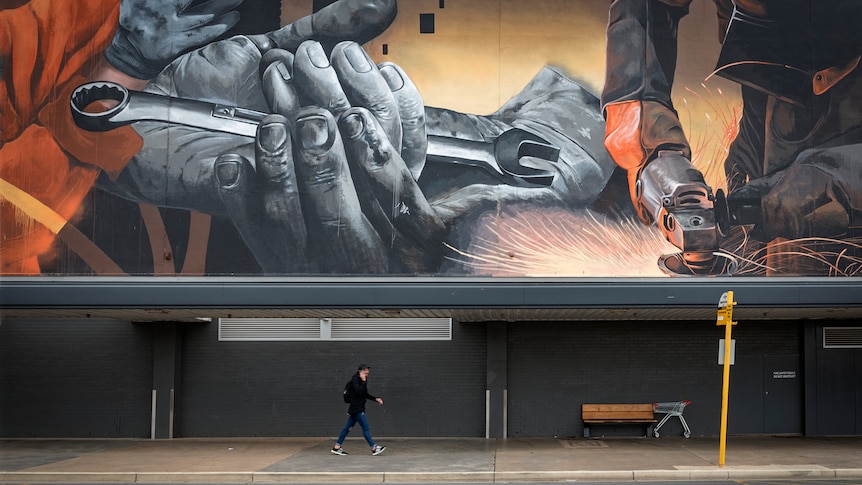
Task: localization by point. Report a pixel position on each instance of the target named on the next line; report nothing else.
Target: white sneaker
(378, 450)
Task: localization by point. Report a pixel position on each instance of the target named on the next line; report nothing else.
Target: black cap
(363, 367)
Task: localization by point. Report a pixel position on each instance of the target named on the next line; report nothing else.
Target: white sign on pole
(721, 351)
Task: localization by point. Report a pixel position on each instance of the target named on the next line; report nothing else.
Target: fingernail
(392, 76)
(352, 125)
(278, 73)
(272, 137)
(358, 58)
(227, 171)
(313, 131)
(317, 55)
(283, 71)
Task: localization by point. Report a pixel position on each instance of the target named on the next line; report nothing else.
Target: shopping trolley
(671, 409)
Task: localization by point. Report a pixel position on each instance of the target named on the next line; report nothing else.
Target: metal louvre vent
(264, 329)
(343, 329)
(842, 337)
(392, 329)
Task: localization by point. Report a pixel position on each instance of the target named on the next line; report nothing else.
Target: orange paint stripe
(196, 253)
(163, 257)
(95, 258)
(31, 206)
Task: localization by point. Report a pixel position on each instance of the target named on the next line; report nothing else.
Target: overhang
(465, 299)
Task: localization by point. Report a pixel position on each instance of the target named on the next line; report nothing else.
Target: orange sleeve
(47, 48)
(635, 131)
(34, 164)
(43, 44)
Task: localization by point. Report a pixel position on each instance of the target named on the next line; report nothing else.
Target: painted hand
(805, 202)
(356, 20)
(332, 168)
(152, 33)
(819, 195)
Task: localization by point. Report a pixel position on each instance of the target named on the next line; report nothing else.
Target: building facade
(177, 278)
(516, 363)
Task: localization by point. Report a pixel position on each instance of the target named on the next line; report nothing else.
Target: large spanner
(501, 156)
(134, 106)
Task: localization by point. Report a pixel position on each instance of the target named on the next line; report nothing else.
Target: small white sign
(784, 374)
(721, 351)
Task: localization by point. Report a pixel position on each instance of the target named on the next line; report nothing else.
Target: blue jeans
(352, 419)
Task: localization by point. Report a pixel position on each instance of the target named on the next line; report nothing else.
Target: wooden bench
(617, 414)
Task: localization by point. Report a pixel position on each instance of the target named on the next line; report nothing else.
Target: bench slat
(617, 407)
(618, 413)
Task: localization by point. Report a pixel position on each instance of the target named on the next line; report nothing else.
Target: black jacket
(358, 395)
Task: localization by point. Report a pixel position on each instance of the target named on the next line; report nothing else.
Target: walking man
(358, 392)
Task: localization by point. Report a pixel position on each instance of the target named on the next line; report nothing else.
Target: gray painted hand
(818, 196)
(152, 33)
(361, 208)
(180, 166)
(356, 20)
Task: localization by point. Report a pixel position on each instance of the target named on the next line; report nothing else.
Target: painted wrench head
(86, 95)
(513, 145)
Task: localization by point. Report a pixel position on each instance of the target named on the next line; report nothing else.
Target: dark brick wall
(75, 378)
(568, 364)
(767, 338)
(91, 378)
(294, 388)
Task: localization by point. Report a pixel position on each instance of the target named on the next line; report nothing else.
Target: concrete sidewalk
(307, 460)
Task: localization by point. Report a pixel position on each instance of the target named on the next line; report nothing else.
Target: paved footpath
(307, 460)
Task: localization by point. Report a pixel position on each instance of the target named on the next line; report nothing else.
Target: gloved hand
(356, 20)
(819, 195)
(229, 72)
(152, 33)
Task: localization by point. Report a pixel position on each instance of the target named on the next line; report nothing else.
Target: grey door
(765, 395)
(782, 394)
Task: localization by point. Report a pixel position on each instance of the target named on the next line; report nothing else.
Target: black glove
(817, 196)
(152, 33)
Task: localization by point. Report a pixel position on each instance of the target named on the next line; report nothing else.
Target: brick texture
(75, 378)
(556, 367)
(294, 388)
(93, 378)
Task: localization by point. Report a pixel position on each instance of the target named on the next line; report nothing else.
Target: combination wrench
(500, 156)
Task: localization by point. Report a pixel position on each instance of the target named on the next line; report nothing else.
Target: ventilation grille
(842, 337)
(343, 329)
(263, 329)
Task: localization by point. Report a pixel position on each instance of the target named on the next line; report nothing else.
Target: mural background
(480, 55)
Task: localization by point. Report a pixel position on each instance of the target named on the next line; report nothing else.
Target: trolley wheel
(687, 435)
(655, 433)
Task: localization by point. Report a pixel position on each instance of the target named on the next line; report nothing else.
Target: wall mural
(630, 138)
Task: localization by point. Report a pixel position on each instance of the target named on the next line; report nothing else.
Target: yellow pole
(725, 395)
(725, 317)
